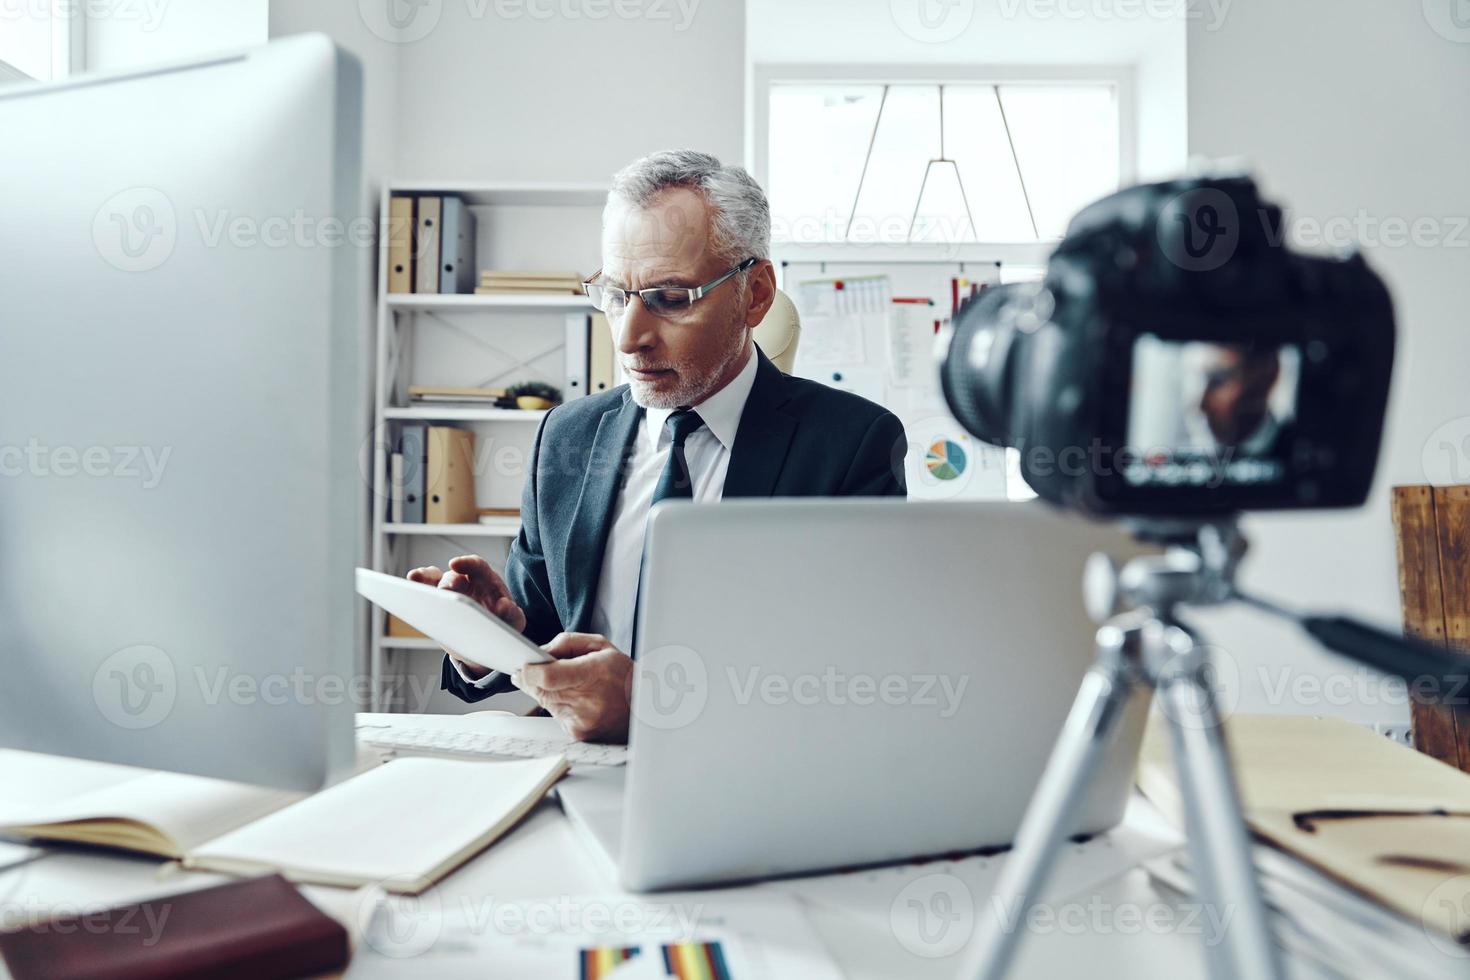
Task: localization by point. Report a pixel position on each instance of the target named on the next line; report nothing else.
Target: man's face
(679, 360)
(1237, 389)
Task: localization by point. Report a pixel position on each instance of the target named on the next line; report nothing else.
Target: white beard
(691, 389)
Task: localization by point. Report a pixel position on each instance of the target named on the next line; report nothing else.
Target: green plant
(535, 389)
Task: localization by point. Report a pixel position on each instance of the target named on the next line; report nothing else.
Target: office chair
(777, 335)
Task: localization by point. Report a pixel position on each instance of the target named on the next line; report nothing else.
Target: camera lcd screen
(1205, 414)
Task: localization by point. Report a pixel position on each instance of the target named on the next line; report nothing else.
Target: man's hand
(587, 688)
(472, 575)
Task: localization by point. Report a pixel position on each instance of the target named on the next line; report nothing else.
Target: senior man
(705, 415)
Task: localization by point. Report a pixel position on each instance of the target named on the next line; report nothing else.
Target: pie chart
(945, 460)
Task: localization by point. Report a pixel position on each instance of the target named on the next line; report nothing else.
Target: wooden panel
(1452, 516)
(1421, 596)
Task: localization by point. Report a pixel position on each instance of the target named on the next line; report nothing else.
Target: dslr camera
(1178, 360)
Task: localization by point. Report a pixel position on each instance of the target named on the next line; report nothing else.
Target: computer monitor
(181, 414)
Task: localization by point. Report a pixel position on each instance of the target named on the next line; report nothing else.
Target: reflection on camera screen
(1210, 414)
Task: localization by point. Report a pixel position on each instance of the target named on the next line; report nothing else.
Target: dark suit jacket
(797, 438)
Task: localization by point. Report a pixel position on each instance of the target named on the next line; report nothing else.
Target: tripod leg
(1219, 845)
(1090, 728)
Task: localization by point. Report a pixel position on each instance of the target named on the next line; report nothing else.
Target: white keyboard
(482, 745)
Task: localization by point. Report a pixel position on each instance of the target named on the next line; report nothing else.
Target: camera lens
(977, 371)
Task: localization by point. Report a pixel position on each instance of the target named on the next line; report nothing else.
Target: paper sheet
(755, 936)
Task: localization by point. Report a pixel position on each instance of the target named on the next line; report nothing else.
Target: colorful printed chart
(684, 961)
(945, 460)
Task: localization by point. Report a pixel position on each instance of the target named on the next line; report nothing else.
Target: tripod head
(1198, 568)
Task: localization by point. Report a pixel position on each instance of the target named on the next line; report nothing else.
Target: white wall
(379, 59)
(1347, 110)
(498, 91)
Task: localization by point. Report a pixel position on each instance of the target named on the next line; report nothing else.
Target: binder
(412, 444)
(602, 366)
(426, 268)
(450, 487)
(395, 488)
(400, 244)
(576, 355)
(456, 247)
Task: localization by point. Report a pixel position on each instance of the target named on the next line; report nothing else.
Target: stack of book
(451, 395)
(492, 281)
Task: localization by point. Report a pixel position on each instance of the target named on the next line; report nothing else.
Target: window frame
(1120, 78)
(68, 46)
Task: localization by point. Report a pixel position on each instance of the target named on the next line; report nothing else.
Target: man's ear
(762, 292)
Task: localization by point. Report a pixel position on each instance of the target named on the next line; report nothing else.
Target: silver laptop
(836, 683)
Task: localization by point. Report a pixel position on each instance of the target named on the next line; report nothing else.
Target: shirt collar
(720, 412)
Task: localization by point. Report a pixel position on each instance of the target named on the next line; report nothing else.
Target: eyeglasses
(662, 301)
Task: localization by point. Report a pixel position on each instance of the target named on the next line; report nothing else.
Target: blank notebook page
(415, 818)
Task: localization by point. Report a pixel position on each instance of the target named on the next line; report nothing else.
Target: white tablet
(455, 621)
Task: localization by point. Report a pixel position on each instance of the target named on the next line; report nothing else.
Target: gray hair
(741, 217)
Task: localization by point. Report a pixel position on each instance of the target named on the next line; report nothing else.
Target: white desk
(544, 858)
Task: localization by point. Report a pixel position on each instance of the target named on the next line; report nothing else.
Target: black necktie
(676, 482)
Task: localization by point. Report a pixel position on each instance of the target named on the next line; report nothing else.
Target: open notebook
(376, 827)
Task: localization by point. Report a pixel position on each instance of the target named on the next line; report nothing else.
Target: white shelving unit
(472, 340)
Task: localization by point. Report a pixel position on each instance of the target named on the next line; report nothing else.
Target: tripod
(1146, 647)
(1142, 644)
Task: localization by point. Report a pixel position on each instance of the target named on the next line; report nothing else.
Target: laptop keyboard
(478, 745)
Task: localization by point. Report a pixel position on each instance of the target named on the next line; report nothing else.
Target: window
(924, 162)
(37, 41)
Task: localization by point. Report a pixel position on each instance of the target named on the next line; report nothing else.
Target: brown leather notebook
(259, 928)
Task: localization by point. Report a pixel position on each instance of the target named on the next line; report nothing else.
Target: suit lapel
(592, 521)
(763, 437)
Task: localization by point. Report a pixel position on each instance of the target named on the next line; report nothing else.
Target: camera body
(1179, 361)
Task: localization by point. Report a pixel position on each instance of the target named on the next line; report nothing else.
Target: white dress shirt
(707, 452)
